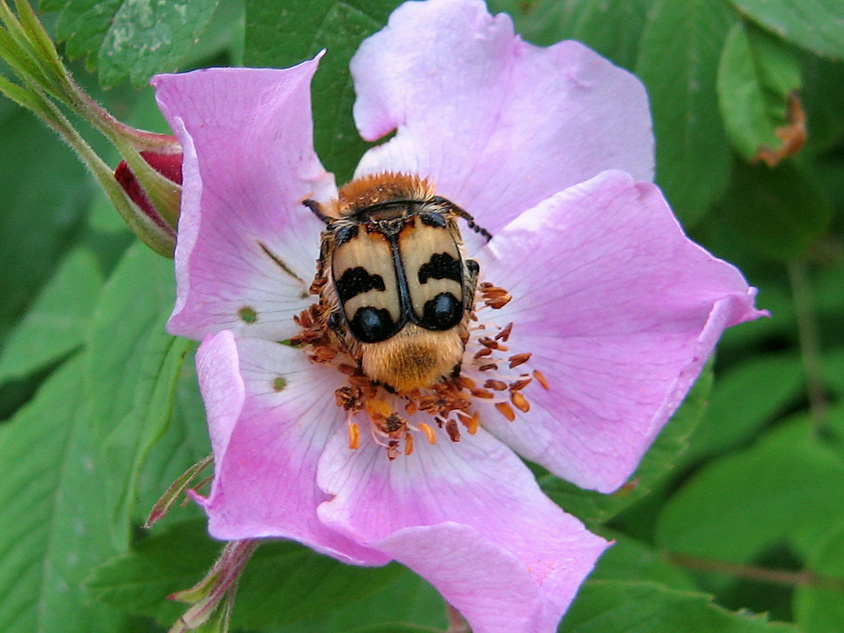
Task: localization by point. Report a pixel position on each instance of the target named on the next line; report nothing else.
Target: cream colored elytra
(394, 280)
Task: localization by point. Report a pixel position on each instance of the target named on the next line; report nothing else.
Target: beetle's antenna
(439, 200)
(316, 209)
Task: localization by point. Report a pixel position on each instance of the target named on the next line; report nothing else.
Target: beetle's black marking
(441, 266)
(356, 281)
(434, 219)
(442, 312)
(344, 234)
(372, 325)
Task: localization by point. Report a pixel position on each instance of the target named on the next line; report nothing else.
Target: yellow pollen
(541, 379)
(430, 435)
(506, 410)
(408, 444)
(377, 408)
(354, 436)
(519, 402)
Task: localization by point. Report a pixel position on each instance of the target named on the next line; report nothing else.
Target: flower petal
(246, 245)
(620, 310)
(496, 123)
(270, 412)
(470, 519)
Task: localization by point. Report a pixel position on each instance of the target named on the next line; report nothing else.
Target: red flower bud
(168, 165)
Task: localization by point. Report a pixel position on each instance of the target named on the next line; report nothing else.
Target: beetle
(398, 290)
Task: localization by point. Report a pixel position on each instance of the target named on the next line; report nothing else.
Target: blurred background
(742, 498)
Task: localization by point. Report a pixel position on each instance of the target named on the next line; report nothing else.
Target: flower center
(491, 381)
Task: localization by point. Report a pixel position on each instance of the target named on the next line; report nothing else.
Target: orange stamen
(483, 393)
(506, 410)
(471, 422)
(452, 430)
(430, 435)
(540, 377)
(519, 359)
(354, 435)
(519, 402)
(466, 382)
(408, 444)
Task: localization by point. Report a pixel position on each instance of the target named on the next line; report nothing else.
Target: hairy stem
(807, 333)
(752, 572)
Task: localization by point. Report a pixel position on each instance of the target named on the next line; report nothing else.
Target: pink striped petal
(270, 412)
(498, 124)
(620, 311)
(470, 519)
(246, 247)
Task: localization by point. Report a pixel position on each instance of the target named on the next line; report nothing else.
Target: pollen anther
(519, 359)
(541, 379)
(430, 434)
(520, 402)
(506, 410)
(354, 435)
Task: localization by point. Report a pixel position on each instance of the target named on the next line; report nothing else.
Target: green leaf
(745, 398)
(131, 370)
(757, 75)
(184, 443)
(633, 607)
(612, 28)
(779, 212)
(43, 206)
(129, 443)
(284, 582)
(593, 507)
(53, 526)
(817, 25)
(140, 581)
(130, 38)
(145, 38)
(284, 38)
(57, 321)
(776, 491)
(134, 303)
(818, 607)
(632, 560)
(678, 61)
(823, 106)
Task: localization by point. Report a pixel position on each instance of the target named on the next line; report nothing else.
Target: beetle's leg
(470, 284)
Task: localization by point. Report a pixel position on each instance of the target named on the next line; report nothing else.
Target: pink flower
(551, 151)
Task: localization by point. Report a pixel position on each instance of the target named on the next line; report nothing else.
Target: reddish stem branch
(786, 577)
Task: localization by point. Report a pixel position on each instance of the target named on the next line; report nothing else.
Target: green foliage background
(737, 511)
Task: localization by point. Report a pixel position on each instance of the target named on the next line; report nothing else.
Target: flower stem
(785, 577)
(807, 333)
